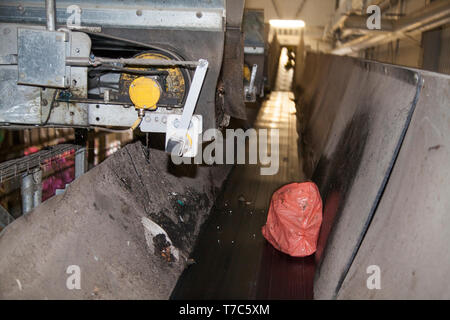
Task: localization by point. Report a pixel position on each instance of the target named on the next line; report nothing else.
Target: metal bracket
(193, 134)
(155, 121)
(176, 143)
(250, 91)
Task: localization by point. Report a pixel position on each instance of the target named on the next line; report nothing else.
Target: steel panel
(111, 115)
(42, 58)
(371, 111)
(179, 14)
(409, 235)
(18, 104)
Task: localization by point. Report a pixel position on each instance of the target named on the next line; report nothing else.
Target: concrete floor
(232, 259)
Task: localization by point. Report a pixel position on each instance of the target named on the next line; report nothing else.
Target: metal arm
(176, 143)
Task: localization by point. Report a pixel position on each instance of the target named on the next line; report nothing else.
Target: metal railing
(29, 170)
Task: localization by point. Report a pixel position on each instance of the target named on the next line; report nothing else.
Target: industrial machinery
(114, 65)
(254, 54)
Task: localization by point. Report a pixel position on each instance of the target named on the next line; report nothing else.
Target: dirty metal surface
(409, 235)
(25, 104)
(361, 112)
(231, 76)
(321, 86)
(232, 259)
(26, 107)
(128, 224)
(42, 58)
(235, 12)
(18, 103)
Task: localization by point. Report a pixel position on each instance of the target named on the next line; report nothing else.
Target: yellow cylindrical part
(247, 73)
(145, 93)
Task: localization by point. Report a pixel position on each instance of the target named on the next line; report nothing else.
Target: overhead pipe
(387, 4)
(429, 17)
(343, 20)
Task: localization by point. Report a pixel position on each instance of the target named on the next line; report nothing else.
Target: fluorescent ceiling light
(287, 23)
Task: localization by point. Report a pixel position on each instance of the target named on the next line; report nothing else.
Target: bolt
(203, 62)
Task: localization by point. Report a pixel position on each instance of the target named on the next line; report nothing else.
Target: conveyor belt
(232, 259)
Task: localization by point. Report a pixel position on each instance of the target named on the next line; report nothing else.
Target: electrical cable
(154, 47)
(136, 123)
(50, 108)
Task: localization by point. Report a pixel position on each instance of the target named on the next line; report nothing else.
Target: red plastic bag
(294, 219)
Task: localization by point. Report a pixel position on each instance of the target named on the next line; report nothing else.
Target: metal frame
(250, 90)
(175, 14)
(76, 112)
(28, 168)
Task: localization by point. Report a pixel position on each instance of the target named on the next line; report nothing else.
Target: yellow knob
(144, 93)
